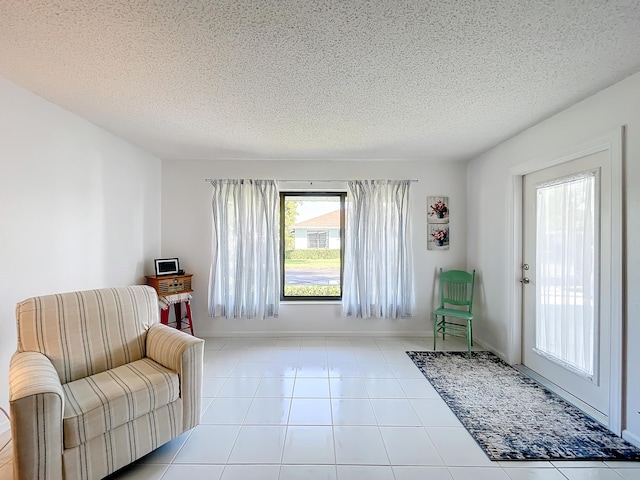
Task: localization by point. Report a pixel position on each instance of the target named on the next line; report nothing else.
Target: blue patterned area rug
(511, 416)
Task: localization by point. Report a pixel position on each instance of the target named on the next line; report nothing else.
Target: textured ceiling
(432, 79)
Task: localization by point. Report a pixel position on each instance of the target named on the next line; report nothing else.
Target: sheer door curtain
(244, 280)
(378, 272)
(566, 266)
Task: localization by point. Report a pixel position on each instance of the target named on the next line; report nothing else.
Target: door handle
(524, 280)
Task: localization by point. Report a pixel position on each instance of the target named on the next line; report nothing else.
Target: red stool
(177, 301)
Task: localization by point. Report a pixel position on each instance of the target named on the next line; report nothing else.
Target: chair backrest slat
(456, 288)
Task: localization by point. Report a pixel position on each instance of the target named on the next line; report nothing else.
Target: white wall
(79, 208)
(186, 233)
(489, 238)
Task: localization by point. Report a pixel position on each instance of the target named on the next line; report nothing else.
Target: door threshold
(597, 415)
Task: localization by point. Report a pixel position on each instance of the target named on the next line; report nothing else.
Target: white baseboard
(306, 333)
(632, 438)
(490, 348)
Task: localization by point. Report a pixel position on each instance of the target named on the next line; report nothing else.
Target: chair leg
(469, 341)
(435, 330)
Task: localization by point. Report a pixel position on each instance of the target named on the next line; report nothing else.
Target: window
(318, 239)
(312, 245)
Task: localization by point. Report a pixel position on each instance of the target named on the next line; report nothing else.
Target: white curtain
(565, 264)
(378, 271)
(245, 276)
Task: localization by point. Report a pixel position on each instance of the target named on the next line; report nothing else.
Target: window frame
(342, 196)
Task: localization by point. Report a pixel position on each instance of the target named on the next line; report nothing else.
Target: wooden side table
(173, 290)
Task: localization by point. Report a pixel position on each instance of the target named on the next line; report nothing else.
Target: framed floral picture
(438, 236)
(437, 223)
(437, 209)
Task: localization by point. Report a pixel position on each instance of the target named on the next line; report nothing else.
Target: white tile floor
(331, 409)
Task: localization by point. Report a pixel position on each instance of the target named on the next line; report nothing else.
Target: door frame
(613, 142)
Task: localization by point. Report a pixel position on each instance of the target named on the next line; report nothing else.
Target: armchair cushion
(99, 403)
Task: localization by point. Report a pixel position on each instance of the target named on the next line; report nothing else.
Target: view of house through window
(312, 233)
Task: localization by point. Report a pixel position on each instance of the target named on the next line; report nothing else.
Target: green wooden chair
(456, 301)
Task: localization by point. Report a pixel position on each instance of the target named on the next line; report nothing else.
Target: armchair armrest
(182, 353)
(36, 401)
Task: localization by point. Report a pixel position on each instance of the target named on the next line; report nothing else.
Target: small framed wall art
(438, 236)
(438, 223)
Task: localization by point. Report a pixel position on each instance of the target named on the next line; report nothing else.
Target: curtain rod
(297, 181)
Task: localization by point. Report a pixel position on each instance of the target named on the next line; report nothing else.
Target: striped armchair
(97, 382)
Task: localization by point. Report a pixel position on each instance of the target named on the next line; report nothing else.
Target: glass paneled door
(566, 340)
